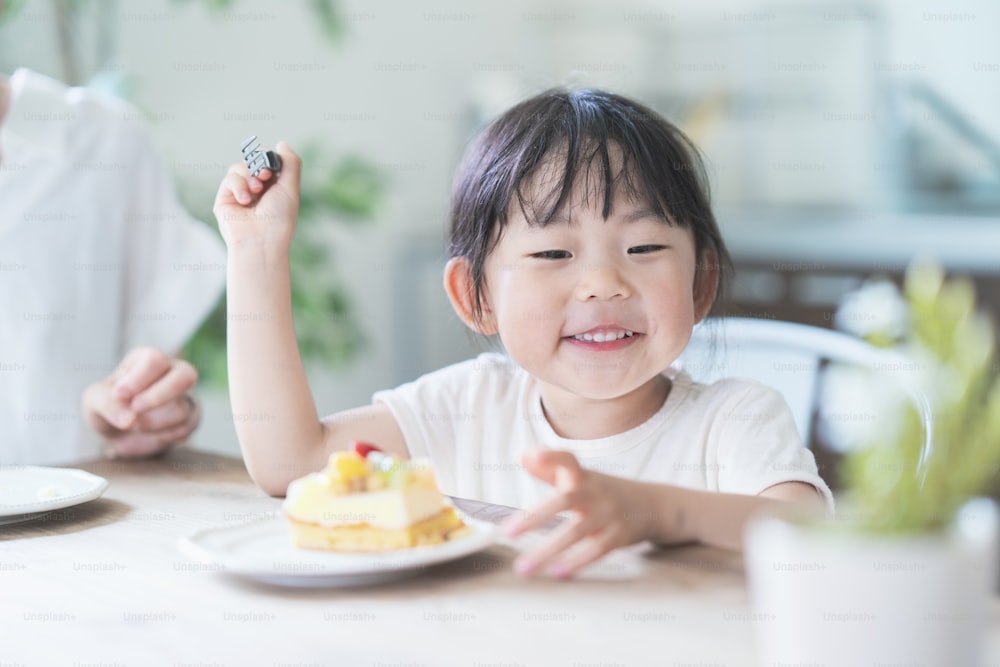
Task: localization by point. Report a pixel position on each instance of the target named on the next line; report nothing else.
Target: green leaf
(329, 19)
(353, 187)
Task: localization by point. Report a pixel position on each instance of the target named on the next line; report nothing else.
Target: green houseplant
(953, 349)
(905, 573)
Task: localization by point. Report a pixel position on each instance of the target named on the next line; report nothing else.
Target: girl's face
(592, 307)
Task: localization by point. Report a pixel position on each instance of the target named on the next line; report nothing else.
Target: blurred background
(842, 139)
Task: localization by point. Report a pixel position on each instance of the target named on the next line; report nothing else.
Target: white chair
(789, 358)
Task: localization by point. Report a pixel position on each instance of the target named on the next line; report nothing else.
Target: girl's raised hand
(608, 512)
(252, 211)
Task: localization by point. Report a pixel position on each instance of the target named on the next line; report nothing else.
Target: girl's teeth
(603, 337)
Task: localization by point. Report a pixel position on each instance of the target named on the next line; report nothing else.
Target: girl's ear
(706, 283)
(459, 287)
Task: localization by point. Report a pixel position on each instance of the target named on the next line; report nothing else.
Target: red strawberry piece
(363, 448)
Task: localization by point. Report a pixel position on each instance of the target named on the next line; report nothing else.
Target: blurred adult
(103, 277)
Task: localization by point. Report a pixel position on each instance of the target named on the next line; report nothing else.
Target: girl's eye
(552, 254)
(644, 249)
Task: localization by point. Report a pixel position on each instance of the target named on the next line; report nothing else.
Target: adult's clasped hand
(144, 406)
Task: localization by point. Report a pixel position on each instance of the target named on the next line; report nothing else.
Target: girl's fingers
(589, 551)
(236, 186)
(291, 167)
(539, 516)
(238, 168)
(240, 187)
(562, 539)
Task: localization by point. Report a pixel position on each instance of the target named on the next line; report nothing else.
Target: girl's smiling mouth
(604, 338)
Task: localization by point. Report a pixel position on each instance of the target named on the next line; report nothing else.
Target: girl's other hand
(608, 512)
(260, 211)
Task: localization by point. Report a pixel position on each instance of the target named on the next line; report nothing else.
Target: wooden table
(104, 584)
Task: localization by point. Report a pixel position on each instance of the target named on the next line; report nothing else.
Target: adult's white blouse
(97, 256)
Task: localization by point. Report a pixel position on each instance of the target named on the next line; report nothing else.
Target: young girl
(582, 236)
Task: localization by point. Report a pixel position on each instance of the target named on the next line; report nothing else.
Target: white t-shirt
(475, 418)
(97, 256)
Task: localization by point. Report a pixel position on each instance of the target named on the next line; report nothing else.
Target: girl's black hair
(595, 133)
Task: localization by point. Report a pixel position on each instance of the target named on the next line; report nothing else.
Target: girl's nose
(602, 281)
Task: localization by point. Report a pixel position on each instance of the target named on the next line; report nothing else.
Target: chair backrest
(789, 357)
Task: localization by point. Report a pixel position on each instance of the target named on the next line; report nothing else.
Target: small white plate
(27, 492)
(262, 550)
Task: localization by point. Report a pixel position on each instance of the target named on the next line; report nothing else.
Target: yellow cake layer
(441, 527)
(312, 499)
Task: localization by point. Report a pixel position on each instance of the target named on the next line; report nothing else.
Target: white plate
(262, 550)
(27, 492)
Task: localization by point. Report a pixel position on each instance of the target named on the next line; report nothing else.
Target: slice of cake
(365, 500)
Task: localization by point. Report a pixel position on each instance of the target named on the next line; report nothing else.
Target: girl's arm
(611, 512)
(279, 430)
(719, 519)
